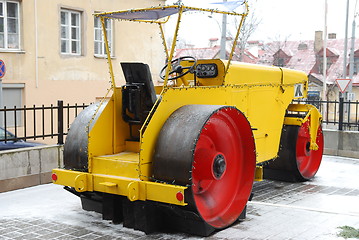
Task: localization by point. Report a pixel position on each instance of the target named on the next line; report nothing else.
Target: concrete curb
(341, 143)
(28, 167)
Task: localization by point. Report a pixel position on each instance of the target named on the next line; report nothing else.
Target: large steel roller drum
(296, 162)
(76, 144)
(211, 150)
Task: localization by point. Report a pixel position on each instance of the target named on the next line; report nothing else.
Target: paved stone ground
(312, 210)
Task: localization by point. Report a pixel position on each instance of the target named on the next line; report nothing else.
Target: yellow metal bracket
(133, 189)
(81, 182)
(313, 115)
(282, 80)
(258, 177)
(108, 184)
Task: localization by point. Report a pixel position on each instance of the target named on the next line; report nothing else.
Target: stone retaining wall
(28, 167)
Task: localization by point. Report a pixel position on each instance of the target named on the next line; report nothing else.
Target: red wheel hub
(308, 161)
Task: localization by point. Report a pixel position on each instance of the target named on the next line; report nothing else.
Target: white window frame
(16, 100)
(6, 33)
(101, 50)
(68, 27)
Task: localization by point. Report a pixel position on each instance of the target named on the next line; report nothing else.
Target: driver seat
(138, 95)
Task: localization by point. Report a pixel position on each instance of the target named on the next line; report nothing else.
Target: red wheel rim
(223, 167)
(308, 161)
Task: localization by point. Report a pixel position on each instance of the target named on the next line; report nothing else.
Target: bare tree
(199, 53)
(273, 55)
(181, 43)
(249, 26)
(278, 42)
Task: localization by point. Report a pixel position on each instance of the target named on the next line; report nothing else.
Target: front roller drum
(210, 149)
(296, 162)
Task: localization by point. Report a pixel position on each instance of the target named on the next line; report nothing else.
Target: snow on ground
(52, 204)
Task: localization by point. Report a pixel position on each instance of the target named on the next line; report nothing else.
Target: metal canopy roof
(156, 13)
(160, 15)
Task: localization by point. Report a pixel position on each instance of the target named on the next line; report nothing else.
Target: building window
(356, 65)
(12, 97)
(70, 32)
(280, 62)
(99, 40)
(321, 62)
(9, 25)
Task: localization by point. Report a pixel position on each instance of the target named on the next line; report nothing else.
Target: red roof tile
(305, 59)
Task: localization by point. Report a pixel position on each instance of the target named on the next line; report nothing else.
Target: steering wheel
(176, 67)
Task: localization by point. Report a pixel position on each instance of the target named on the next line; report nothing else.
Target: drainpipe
(351, 59)
(324, 98)
(341, 95)
(345, 47)
(36, 47)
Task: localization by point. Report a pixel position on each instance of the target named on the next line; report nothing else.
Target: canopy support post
(236, 39)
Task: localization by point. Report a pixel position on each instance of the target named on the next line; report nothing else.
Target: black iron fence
(342, 115)
(38, 122)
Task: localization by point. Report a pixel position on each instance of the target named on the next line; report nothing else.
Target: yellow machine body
(119, 165)
(123, 167)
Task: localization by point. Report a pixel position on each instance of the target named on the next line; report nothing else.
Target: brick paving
(279, 210)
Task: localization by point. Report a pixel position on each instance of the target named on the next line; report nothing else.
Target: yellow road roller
(183, 156)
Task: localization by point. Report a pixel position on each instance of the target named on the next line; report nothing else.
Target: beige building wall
(45, 75)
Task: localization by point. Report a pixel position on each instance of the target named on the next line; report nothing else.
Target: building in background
(55, 50)
(306, 56)
(213, 51)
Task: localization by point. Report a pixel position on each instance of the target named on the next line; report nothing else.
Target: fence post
(341, 113)
(60, 122)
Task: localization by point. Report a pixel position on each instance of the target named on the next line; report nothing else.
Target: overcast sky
(292, 19)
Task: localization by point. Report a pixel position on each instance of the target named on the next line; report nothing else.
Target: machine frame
(258, 97)
(160, 192)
